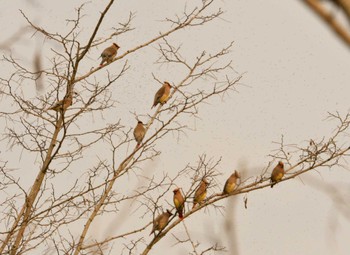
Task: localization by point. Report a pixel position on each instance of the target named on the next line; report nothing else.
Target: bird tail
(152, 232)
(154, 104)
(194, 205)
(181, 216)
(54, 108)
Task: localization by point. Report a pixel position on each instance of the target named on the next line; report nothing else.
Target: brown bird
(179, 202)
(109, 53)
(63, 104)
(200, 193)
(162, 94)
(161, 221)
(139, 132)
(231, 183)
(277, 173)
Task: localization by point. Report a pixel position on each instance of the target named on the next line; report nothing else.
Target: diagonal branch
(329, 19)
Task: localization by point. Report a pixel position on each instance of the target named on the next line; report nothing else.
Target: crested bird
(162, 94)
(277, 173)
(231, 183)
(179, 202)
(139, 132)
(200, 193)
(109, 54)
(161, 221)
(63, 104)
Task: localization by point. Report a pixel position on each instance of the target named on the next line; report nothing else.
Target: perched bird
(63, 104)
(162, 94)
(277, 173)
(200, 193)
(179, 202)
(161, 221)
(139, 132)
(231, 183)
(109, 53)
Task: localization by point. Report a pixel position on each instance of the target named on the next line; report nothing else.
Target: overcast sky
(294, 71)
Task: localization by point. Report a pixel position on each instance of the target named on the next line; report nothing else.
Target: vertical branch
(28, 205)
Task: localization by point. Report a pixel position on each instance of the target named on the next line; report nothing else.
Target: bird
(200, 193)
(109, 53)
(179, 202)
(139, 132)
(161, 221)
(162, 94)
(277, 173)
(231, 183)
(63, 104)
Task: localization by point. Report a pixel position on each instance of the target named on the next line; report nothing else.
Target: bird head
(140, 122)
(116, 45)
(168, 212)
(176, 190)
(167, 83)
(237, 174)
(280, 163)
(71, 95)
(205, 181)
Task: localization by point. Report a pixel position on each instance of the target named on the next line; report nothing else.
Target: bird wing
(277, 174)
(178, 203)
(230, 186)
(57, 105)
(155, 225)
(226, 187)
(159, 94)
(108, 53)
(200, 194)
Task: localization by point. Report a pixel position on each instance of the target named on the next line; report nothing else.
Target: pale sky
(295, 71)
